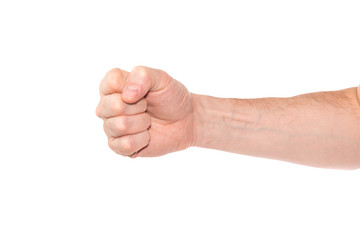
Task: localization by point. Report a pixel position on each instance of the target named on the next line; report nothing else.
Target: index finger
(113, 82)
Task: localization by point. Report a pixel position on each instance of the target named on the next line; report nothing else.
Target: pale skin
(147, 113)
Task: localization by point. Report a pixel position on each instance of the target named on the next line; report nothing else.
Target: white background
(58, 178)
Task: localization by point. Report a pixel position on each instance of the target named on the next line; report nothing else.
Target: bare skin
(160, 116)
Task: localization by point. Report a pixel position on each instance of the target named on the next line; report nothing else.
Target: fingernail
(131, 91)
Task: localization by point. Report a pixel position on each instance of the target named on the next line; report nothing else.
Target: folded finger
(112, 105)
(129, 144)
(113, 82)
(125, 125)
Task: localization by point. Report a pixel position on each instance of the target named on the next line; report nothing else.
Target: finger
(129, 144)
(113, 105)
(113, 82)
(141, 80)
(125, 125)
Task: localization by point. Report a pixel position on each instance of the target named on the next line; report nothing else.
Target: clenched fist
(146, 112)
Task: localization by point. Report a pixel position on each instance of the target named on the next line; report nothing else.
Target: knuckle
(140, 70)
(107, 127)
(112, 146)
(122, 146)
(127, 145)
(114, 73)
(121, 125)
(113, 78)
(116, 145)
(98, 111)
(100, 108)
(115, 104)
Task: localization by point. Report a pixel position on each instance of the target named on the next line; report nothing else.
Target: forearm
(317, 129)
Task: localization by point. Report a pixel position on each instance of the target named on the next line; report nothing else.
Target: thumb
(140, 81)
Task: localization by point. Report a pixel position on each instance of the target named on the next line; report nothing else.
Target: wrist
(197, 119)
(208, 116)
(220, 122)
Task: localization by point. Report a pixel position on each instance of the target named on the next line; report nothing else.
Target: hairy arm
(317, 129)
(147, 113)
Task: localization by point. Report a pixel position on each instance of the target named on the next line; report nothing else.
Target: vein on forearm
(322, 126)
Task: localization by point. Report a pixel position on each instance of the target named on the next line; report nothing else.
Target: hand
(146, 112)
